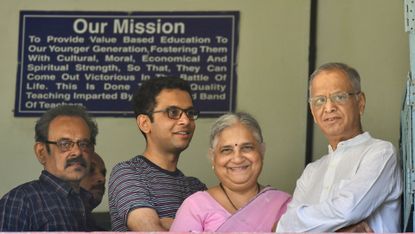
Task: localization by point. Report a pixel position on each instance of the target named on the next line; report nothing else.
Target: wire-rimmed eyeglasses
(338, 98)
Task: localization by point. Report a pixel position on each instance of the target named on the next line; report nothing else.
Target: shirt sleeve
(128, 190)
(376, 180)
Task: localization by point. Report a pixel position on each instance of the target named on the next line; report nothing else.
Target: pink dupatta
(260, 214)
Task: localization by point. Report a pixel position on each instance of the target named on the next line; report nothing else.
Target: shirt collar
(351, 142)
(57, 184)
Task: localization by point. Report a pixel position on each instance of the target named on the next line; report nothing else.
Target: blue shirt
(47, 204)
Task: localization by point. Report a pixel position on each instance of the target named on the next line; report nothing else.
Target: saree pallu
(260, 214)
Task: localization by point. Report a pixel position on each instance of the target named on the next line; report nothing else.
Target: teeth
(238, 168)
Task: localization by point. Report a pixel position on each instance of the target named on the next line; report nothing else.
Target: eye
(84, 144)
(319, 100)
(92, 169)
(247, 148)
(341, 97)
(190, 113)
(65, 144)
(173, 112)
(226, 151)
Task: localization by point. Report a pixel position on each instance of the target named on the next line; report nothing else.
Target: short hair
(42, 125)
(227, 120)
(350, 72)
(144, 99)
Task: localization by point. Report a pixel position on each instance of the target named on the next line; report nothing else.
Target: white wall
(368, 35)
(272, 75)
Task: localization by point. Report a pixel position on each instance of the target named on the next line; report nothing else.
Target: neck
(238, 199)
(334, 141)
(166, 161)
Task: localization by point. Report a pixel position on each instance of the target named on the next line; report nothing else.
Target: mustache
(99, 186)
(78, 159)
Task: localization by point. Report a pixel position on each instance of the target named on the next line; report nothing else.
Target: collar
(56, 184)
(351, 142)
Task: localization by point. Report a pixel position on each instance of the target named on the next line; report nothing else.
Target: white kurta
(360, 180)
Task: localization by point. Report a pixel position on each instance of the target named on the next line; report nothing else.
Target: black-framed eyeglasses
(66, 144)
(338, 98)
(174, 112)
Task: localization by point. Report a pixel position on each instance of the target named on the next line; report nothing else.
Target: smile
(331, 119)
(240, 168)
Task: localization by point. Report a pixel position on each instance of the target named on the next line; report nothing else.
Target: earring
(213, 168)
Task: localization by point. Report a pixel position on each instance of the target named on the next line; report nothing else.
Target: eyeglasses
(174, 112)
(338, 98)
(66, 145)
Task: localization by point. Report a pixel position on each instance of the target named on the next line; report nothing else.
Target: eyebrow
(243, 144)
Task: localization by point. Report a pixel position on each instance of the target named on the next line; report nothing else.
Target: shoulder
(195, 183)
(381, 145)
(276, 194)
(198, 199)
(379, 149)
(24, 195)
(132, 166)
(315, 165)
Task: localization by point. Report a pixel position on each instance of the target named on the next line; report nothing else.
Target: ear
(362, 103)
(262, 149)
(211, 154)
(143, 123)
(312, 113)
(41, 152)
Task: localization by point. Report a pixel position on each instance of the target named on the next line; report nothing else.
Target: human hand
(362, 226)
(166, 222)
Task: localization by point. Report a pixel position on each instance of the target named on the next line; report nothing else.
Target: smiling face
(71, 165)
(166, 135)
(338, 121)
(237, 157)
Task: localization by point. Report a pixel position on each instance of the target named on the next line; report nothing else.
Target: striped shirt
(139, 183)
(47, 204)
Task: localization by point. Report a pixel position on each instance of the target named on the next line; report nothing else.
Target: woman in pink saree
(238, 203)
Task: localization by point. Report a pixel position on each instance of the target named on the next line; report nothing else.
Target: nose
(184, 119)
(329, 106)
(76, 150)
(238, 156)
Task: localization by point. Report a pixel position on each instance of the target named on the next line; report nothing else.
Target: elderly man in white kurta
(355, 187)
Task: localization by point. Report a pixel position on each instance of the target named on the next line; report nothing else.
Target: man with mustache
(146, 191)
(359, 179)
(65, 138)
(94, 182)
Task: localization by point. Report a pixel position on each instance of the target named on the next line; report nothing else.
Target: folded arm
(147, 220)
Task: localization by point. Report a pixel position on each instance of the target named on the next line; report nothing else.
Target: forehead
(174, 97)
(235, 134)
(97, 161)
(331, 81)
(72, 127)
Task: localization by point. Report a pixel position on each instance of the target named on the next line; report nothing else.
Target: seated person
(94, 182)
(65, 137)
(239, 202)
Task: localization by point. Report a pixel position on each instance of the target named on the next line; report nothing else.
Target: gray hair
(350, 72)
(229, 119)
(42, 125)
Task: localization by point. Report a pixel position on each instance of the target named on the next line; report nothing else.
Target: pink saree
(260, 214)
